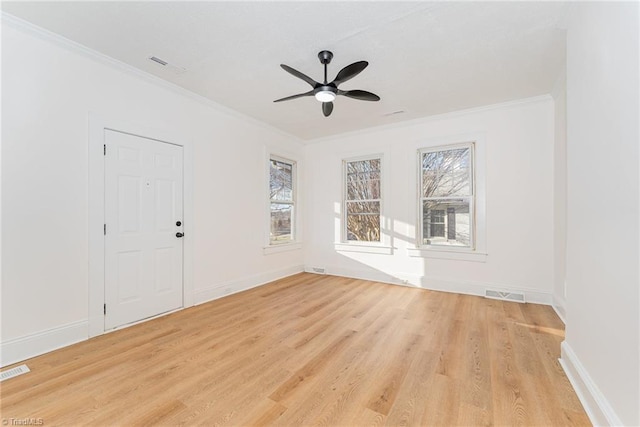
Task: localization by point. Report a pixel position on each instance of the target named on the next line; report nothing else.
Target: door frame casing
(96, 219)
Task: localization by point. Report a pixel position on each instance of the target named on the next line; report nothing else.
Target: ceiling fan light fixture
(325, 96)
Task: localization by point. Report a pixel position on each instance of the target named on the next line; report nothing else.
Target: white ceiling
(424, 58)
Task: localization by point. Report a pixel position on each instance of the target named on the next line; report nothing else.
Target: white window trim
(384, 245)
(478, 251)
(470, 198)
(296, 243)
(364, 247)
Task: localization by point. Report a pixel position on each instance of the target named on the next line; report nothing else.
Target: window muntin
(446, 196)
(282, 200)
(363, 199)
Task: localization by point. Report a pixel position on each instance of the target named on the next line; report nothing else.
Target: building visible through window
(446, 200)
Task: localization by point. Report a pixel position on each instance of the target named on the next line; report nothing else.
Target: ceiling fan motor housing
(325, 88)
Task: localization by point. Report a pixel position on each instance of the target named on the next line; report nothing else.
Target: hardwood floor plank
(311, 368)
(312, 350)
(478, 390)
(441, 408)
(265, 412)
(389, 385)
(415, 391)
(346, 394)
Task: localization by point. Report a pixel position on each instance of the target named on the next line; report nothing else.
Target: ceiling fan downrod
(325, 57)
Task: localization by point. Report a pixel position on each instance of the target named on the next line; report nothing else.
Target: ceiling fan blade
(327, 108)
(300, 95)
(350, 71)
(362, 95)
(299, 75)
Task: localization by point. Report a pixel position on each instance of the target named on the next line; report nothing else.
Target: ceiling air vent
(393, 113)
(173, 68)
(158, 60)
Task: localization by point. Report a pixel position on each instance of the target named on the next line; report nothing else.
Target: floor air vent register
(14, 372)
(505, 296)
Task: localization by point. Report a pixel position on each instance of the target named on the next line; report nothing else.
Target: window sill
(459, 255)
(363, 248)
(284, 247)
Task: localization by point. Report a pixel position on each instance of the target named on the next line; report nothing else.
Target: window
(282, 200)
(447, 196)
(362, 199)
(437, 222)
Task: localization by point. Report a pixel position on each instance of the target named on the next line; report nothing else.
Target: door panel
(164, 269)
(129, 266)
(165, 203)
(129, 200)
(143, 202)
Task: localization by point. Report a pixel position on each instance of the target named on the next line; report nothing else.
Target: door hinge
(105, 229)
(105, 149)
(105, 309)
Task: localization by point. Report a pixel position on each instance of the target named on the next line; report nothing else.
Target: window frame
(481, 251)
(471, 197)
(288, 244)
(344, 233)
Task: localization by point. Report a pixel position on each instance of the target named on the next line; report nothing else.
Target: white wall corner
(559, 306)
(361, 274)
(594, 402)
(560, 85)
(28, 346)
(220, 290)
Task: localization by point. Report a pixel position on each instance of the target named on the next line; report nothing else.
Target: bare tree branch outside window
(447, 196)
(362, 200)
(282, 201)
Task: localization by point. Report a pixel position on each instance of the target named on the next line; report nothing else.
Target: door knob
(179, 234)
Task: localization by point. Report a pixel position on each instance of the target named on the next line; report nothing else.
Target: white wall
(602, 346)
(559, 94)
(519, 203)
(48, 91)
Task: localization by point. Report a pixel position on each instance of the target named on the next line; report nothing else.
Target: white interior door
(143, 226)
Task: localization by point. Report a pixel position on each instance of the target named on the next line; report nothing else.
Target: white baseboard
(434, 283)
(595, 404)
(559, 306)
(22, 348)
(479, 288)
(220, 290)
(28, 346)
(374, 276)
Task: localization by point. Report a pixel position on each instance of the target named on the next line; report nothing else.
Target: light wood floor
(312, 350)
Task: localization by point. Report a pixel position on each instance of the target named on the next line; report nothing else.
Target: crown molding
(34, 30)
(427, 119)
